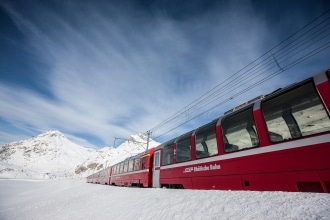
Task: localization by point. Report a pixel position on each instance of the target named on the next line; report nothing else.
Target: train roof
(243, 105)
(136, 156)
(246, 105)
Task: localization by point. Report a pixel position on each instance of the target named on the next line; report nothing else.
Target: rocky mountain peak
(51, 134)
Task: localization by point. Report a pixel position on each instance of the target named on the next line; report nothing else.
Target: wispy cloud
(113, 70)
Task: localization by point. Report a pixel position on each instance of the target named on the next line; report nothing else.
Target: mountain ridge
(53, 155)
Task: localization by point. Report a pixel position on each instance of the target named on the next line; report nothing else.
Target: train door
(156, 170)
(110, 174)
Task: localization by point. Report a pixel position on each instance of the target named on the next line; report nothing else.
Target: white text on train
(201, 168)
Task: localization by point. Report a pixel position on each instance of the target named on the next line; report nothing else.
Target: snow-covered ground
(75, 199)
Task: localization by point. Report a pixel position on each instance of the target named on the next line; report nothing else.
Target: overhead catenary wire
(306, 42)
(266, 62)
(247, 89)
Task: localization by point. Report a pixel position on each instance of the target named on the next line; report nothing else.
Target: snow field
(74, 199)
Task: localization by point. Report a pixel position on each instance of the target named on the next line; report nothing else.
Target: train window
(239, 131)
(137, 164)
(295, 114)
(157, 159)
(105, 173)
(206, 142)
(130, 165)
(121, 168)
(144, 163)
(183, 149)
(125, 166)
(167, 157)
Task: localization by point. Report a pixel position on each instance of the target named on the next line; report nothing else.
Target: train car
(95, 178)
(105, 176)
(89, 179)
(134, 171)
(277, 142)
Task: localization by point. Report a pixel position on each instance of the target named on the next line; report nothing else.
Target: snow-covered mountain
(52, 155)
(109, 155)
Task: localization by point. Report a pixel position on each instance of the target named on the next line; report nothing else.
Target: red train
(277, 142)
(134, 171)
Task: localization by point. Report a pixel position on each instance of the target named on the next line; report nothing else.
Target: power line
(306, 42)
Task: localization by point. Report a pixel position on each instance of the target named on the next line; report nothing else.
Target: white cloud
(113, 72)
(6, 137)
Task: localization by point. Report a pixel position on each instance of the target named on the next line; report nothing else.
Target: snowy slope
(109, 155)
(49, 154)
(72, 199)
(52, 155)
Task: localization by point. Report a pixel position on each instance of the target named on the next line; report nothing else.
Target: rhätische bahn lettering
(201, 168)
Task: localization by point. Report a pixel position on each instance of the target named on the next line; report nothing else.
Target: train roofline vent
(244, 104)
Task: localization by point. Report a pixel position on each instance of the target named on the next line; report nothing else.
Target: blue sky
(96, 70)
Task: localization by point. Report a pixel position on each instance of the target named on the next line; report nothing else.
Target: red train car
(105, 176)
(95, 177)
(277, 142)
(89, 179)
(280, 141)
(134, 171)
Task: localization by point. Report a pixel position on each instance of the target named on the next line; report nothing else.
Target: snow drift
(72, 199)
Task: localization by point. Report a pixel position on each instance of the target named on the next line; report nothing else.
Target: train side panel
(140, 176)
(104, 176)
